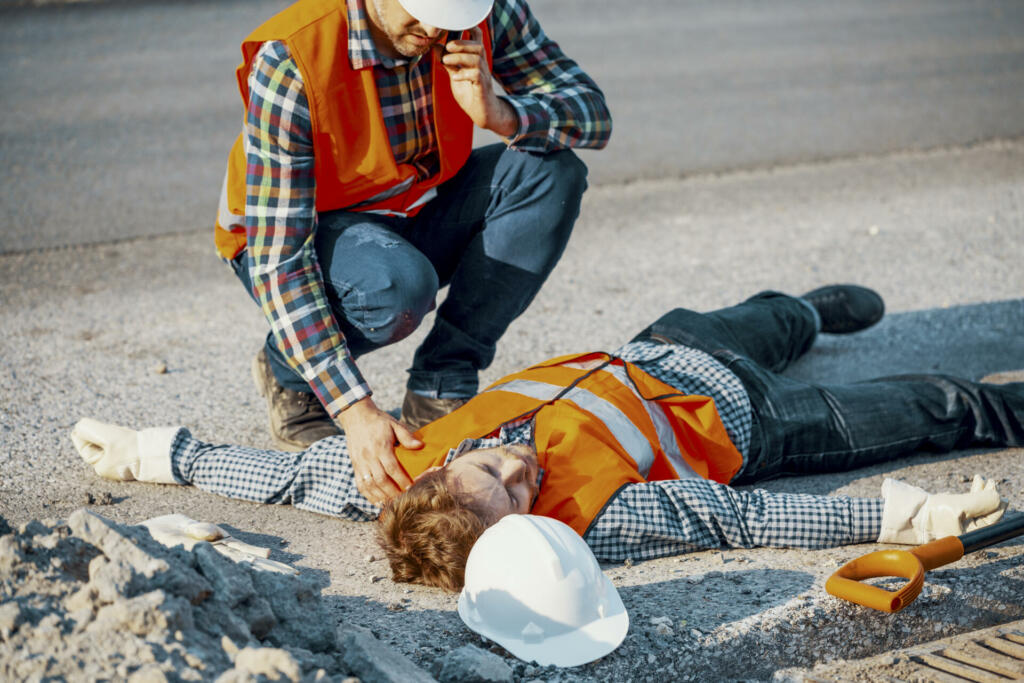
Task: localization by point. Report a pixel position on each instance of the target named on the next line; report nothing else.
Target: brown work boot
(418, 410)
(297, 419)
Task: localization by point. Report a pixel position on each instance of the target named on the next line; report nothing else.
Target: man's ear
(432, 468)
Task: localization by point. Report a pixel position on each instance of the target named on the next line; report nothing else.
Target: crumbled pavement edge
(93, 599)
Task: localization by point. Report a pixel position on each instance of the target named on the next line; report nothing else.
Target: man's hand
(473, 87)
(371, 435)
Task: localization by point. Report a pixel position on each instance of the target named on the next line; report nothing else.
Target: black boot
(846, 308)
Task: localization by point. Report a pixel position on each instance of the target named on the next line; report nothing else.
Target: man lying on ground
(635, 449)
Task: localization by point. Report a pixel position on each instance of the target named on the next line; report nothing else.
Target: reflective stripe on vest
(622, 428)
(666, 437)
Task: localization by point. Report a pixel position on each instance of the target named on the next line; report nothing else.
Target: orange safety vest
(595, 430)
(352, 154)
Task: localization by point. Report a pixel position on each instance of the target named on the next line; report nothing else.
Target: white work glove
(125, 454)
(913, 516)
(172, 530)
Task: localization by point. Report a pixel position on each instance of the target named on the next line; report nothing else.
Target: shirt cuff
(339, 384)
(865, 519)
(533, 123)
(155, 449)
(181, 445)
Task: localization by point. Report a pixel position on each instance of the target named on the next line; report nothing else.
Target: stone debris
(92, 599)
(102, 499)
(373, 661)
(662, 626)
(471, 664)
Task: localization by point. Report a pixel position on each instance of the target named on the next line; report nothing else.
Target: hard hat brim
(573, 648)
(451, 15)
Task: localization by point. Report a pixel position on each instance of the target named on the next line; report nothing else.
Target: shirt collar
(362, 52)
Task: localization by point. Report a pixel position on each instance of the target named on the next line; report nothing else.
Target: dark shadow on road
(970, 341)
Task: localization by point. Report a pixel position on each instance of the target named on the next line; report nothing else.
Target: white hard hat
(451, 15)
(534, 587)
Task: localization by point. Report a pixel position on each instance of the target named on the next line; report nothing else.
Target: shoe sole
(261, 387)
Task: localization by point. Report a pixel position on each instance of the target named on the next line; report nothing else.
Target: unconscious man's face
(428, 531)
(501, 481)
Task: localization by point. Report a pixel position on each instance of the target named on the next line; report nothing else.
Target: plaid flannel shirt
(642, 521)
(557, 106)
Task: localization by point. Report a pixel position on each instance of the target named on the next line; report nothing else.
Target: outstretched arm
(318, 479)
(660, 518)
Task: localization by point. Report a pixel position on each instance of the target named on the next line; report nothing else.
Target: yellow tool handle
(908, 564)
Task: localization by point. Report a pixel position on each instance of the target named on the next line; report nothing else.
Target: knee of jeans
(569, 172)
(388, 306)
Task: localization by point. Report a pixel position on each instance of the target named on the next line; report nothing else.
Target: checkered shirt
(642, 521)
(557, 106)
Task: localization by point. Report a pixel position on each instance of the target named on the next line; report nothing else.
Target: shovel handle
(908, 564)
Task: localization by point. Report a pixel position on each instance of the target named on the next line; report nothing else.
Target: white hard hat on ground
(451, 15)
(534, 587)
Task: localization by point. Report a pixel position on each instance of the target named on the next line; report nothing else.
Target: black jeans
(801, 428)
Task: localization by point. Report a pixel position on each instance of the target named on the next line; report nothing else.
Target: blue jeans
(802, 428)
(493, 234)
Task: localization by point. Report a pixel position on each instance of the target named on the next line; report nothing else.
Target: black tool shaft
(997, 533)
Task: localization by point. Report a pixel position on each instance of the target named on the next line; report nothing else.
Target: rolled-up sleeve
(280, 221)
(319, 479)
(557, 104)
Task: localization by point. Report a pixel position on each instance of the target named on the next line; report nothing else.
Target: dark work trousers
(493, 234)
(802, 428)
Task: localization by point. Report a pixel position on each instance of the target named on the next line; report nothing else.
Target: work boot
(297, 418)
(418, 410)
(846, 308)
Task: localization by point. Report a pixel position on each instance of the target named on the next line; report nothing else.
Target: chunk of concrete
(302, 619)
(271, 662)
(471, 664)
(136, 549)
(373, 661)
(229, 584)
(10, 617)
(144, 614)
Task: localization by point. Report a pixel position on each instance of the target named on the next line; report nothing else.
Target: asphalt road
(118, 116)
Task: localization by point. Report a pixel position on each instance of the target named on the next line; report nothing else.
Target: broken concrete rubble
(471, 664)
(93, 599)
